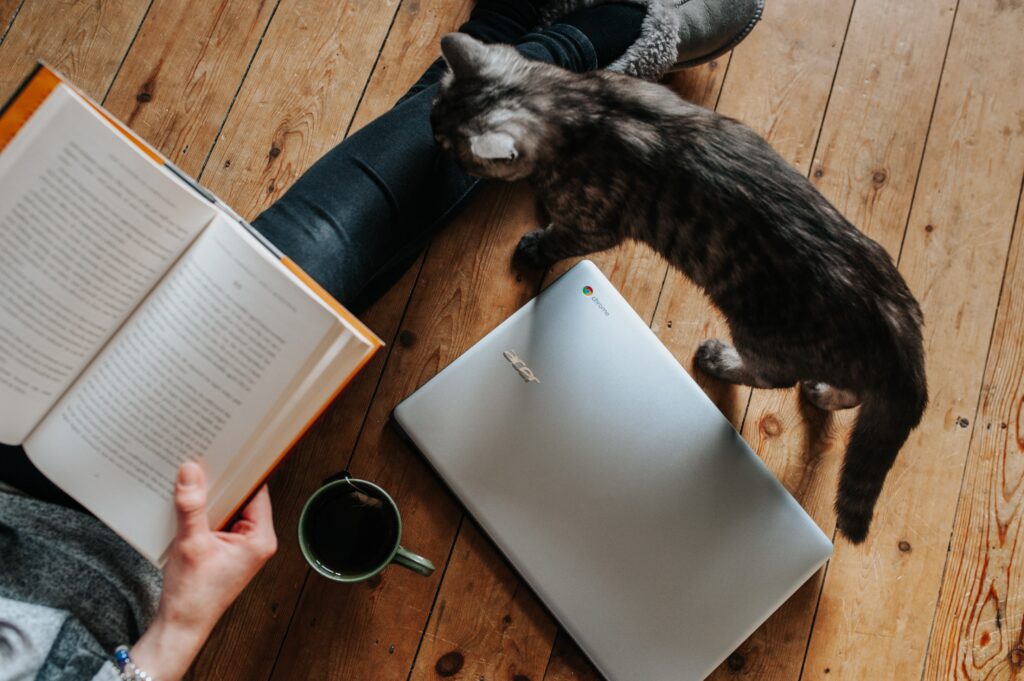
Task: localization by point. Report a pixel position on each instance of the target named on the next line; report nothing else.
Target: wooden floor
(907, 114)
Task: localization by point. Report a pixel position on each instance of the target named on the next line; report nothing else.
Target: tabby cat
(808, 298)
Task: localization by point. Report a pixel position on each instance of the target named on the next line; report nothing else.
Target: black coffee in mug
(351, 530)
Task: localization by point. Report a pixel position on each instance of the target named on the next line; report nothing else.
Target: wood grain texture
(175, 87)
(871, 144)
(519, 212)
(487, 623)
(978, 632)
(382, 622)
(412, 45)
(8, 10)
(258, 622)
(298, 98)
(568, 663)
(879, 599)
(877, 121)
(784, 69)
(85, 41)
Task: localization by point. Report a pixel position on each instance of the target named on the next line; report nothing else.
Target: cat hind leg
(827, 397)
(721, 360)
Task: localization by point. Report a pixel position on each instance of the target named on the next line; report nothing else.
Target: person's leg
(360, 215)
(368, 205)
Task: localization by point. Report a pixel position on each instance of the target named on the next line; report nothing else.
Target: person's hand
(205, 572)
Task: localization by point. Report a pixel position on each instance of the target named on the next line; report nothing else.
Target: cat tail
(883, 425)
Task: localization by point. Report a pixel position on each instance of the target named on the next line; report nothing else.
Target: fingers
(190, 500)
(258, 509)
(257, 523)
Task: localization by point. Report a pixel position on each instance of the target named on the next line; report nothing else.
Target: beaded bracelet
(129, 671)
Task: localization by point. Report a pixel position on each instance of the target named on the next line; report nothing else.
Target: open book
(142, 323)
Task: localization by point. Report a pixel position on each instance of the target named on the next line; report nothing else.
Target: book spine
(225, 208)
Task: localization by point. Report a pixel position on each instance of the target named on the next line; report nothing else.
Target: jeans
(362, 213)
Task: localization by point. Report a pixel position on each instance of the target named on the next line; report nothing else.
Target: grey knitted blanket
(70, 592)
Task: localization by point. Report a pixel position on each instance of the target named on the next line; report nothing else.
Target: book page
(192, 374)
(323, 378)
(88, 225)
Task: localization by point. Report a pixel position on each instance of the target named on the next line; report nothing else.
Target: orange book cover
(31, 94)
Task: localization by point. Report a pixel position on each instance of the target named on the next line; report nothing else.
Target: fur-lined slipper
(676, 34)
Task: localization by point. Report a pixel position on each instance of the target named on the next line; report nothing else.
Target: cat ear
(491, 146)
(465, 55)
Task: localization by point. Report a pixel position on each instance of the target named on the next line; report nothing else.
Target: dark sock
(589, 38)
(611, 28)
(501, 21)
(561, 45)
(490, 21)
(586, 39)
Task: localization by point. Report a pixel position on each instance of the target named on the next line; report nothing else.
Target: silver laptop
(630, 505)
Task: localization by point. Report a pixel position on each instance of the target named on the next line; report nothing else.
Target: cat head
(487, 113)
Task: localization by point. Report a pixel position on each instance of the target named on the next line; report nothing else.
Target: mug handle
(411, 561)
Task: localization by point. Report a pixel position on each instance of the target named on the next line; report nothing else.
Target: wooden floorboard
(978, 632)
(86, 44)
(568, 663)
(908, 115)
(881, 596)
(8, 11)
(866, 162)
(176, 93)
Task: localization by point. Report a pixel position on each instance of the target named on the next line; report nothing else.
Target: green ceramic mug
(350, 530)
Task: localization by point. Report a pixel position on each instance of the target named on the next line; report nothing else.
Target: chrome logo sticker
(588, 293)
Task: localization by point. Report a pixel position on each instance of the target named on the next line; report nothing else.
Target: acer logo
(525, 372)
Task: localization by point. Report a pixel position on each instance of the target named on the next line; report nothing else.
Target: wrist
(167, 648)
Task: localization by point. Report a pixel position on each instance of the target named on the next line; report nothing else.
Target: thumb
(190, 500)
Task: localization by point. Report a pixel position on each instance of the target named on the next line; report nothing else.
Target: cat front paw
(530, 250)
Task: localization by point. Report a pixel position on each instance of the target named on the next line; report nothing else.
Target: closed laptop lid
(630, 505)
